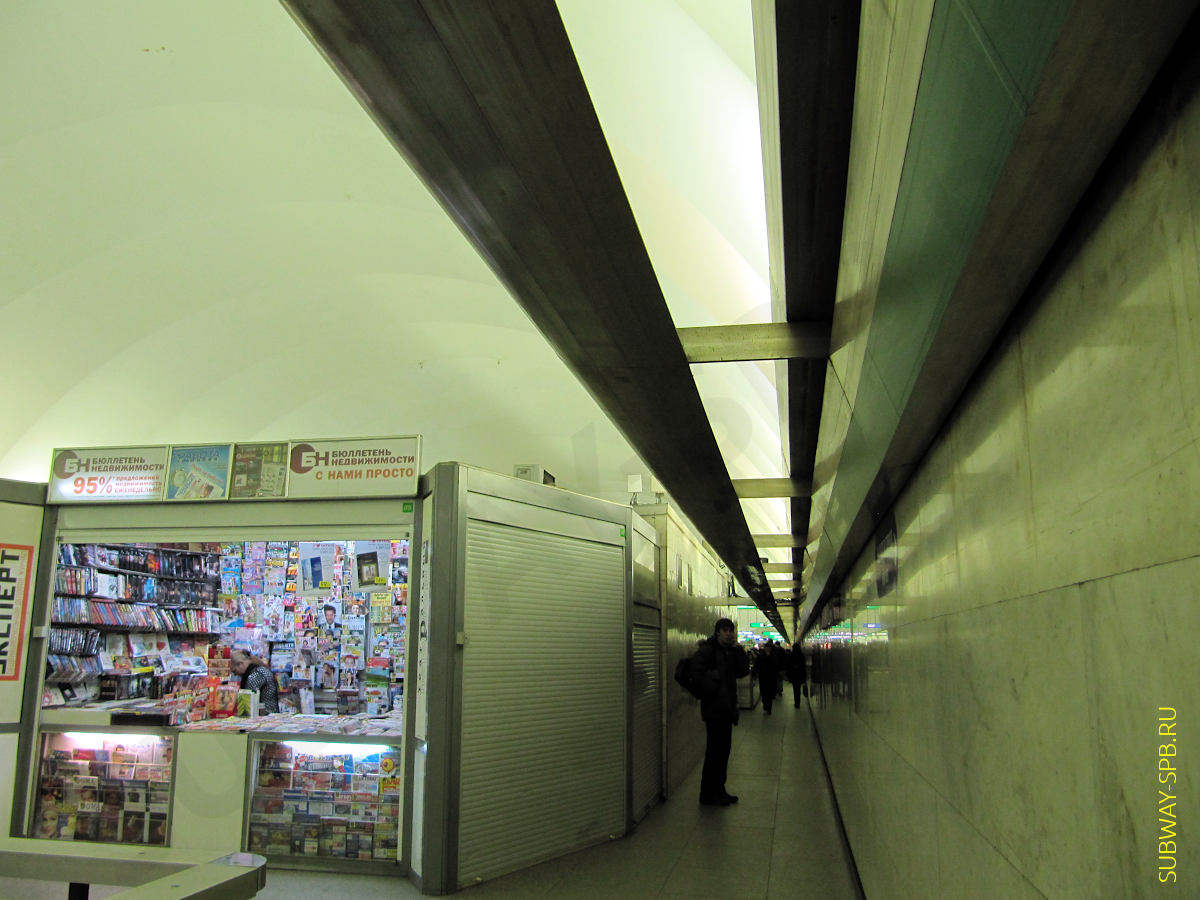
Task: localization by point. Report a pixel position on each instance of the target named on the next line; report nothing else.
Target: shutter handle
(460, 639)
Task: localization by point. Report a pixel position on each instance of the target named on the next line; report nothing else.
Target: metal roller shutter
(647, 718)
(542, 753)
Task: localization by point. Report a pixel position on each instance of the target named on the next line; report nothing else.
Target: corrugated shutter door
(542, 762)
(647, 716)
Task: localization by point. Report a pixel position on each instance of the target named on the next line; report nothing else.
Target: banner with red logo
(107, 474)
(364, 467)
(351, 467)
(16, 572)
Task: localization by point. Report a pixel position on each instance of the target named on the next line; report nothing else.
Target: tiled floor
(780, 841)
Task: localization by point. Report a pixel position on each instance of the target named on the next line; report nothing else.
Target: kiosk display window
(109, 787)
(158, 622)
(337, 800)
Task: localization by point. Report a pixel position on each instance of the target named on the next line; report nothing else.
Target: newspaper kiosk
(158, 563)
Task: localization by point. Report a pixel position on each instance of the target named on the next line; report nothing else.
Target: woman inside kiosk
(256, 676)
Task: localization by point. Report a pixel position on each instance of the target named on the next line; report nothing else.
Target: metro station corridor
(980, 487)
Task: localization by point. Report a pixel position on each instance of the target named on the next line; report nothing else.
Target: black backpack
(683, 675)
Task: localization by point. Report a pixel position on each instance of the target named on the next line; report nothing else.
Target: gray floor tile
(283, 884)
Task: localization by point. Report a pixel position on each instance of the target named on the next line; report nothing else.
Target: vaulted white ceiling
(207, 239)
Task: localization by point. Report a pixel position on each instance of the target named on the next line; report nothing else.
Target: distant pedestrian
(766, 667)
(797, 673)
(717, 665)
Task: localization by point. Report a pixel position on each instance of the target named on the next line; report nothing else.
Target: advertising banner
(199, 473)
(366, 467)
(20, 534)
(372, 565)
(107, 474)
(259, 471)
(320, 567)
(353, 467)
(16, 570)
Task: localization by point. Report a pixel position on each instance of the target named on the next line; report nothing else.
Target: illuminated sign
(107, 474)
(356, 467)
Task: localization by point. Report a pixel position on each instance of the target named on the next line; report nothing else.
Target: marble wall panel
(907, 807)
(971, 866)
(1047, 603)
(993, 509)
(871, 769)
(915, 672)
(1110, 363)
(897, 605)
(1014, 737)
(932, 584)
(840, 739)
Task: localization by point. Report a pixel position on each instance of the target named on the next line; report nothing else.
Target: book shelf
(106, 787)
(104, 593)
(161, 575)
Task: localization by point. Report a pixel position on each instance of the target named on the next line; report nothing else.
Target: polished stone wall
(992, 722)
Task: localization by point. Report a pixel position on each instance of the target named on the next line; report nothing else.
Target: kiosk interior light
(324, 748)
(95, 740)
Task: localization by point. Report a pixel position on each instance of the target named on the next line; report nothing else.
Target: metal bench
(178, 876)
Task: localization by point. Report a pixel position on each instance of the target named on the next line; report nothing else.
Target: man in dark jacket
(717, 665)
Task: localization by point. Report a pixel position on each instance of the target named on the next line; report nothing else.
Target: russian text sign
(107, 474)
(367, 467)
(15, 573)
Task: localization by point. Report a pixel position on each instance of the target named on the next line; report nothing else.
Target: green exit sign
(758, 625)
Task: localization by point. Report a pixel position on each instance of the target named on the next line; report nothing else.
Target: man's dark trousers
(716, 758)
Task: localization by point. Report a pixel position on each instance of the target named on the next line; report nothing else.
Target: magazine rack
(317, 801)
(105, 786)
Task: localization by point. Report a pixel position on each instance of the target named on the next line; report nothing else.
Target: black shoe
(731, 798)
(715, 801)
